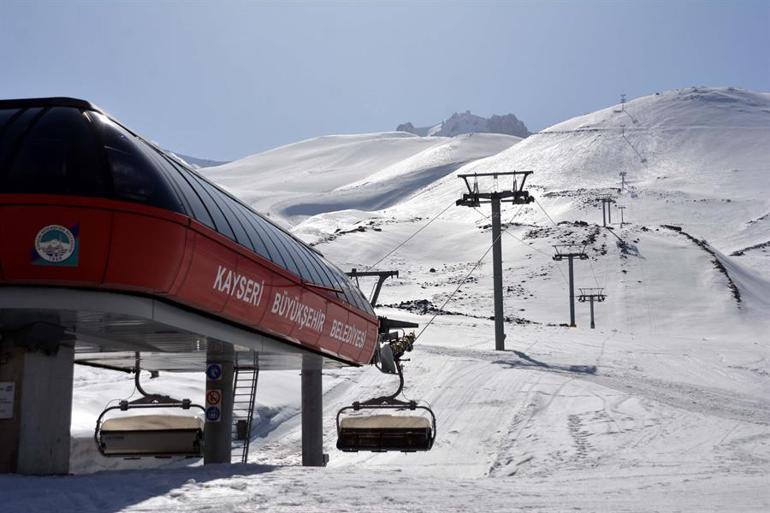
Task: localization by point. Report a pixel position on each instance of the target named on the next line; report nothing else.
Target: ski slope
(333, 173)
(664, 407)
(694, 157)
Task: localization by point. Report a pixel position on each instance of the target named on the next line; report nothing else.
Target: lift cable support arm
(381, 277)
(587, 293)
(591, 295)
(569, 251)
(516, 194)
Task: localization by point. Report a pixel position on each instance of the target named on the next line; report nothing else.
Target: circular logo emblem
(55, 243)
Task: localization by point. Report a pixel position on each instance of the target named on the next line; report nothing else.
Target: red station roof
(87, 204)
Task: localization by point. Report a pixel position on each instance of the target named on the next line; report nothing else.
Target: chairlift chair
(158, 435)
(385, 432)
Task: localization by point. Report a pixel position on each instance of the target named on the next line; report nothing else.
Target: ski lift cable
(468, 275)
(504, 230)
(546, 213)
(386, 255)
(650, 317)
(555, 225)
(589, 260)
(596, 280)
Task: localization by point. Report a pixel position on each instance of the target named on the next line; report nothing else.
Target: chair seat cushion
(151, 423)
(385, 422)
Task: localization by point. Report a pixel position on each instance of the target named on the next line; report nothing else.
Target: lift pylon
(592, 295)
(622, 220)
(606, 210)
(514, 194)
(570, 252)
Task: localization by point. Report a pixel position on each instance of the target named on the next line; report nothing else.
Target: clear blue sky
(226, 79)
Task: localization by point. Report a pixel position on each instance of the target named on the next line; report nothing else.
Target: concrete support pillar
(218, 433)
(35, 404)
(312, 413)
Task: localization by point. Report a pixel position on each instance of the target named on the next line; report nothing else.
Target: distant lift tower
(606, 212)
(591, 295)
(474, 198)
(570, 253)
(621, 208)
(622, 180)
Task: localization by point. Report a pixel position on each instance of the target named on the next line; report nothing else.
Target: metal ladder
(246, 374)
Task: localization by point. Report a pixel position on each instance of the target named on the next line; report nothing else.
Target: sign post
(219, 403)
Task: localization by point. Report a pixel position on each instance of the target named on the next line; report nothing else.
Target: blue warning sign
(214, 371)
(213, 414)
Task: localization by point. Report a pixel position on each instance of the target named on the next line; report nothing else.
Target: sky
(225, 79)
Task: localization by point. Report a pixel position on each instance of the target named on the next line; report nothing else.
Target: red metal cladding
(309, 316)
(120, 246)
(340, 314)
(248, 286)
(208, 257)
(144, 251)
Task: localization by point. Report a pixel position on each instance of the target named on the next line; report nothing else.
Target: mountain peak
(466, 123)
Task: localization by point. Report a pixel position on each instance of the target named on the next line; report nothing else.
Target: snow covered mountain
(467, 123)
(197, 163)
(665, 406)
(695, 157)
(339, 172)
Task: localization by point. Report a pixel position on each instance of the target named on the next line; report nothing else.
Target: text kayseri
(291, 308)
(348, 334)
(239, 286)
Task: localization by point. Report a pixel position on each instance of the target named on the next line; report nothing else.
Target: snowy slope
(664, 407)
(368, 172)
(698, 158)
(198, 163)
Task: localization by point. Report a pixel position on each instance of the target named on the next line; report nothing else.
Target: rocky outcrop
(468, 123)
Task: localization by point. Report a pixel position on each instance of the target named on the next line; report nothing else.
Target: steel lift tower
(474, 198)
(590, 296)
(566, 251)
(606, 210)
(622, 220)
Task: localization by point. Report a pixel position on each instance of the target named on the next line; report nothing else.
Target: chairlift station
(116, 254)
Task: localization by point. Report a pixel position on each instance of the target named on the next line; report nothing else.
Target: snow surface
(197, 163)
(664, 407)
(333, 173)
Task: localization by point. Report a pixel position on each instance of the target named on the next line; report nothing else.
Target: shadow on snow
(526, 361)
(110, 491)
